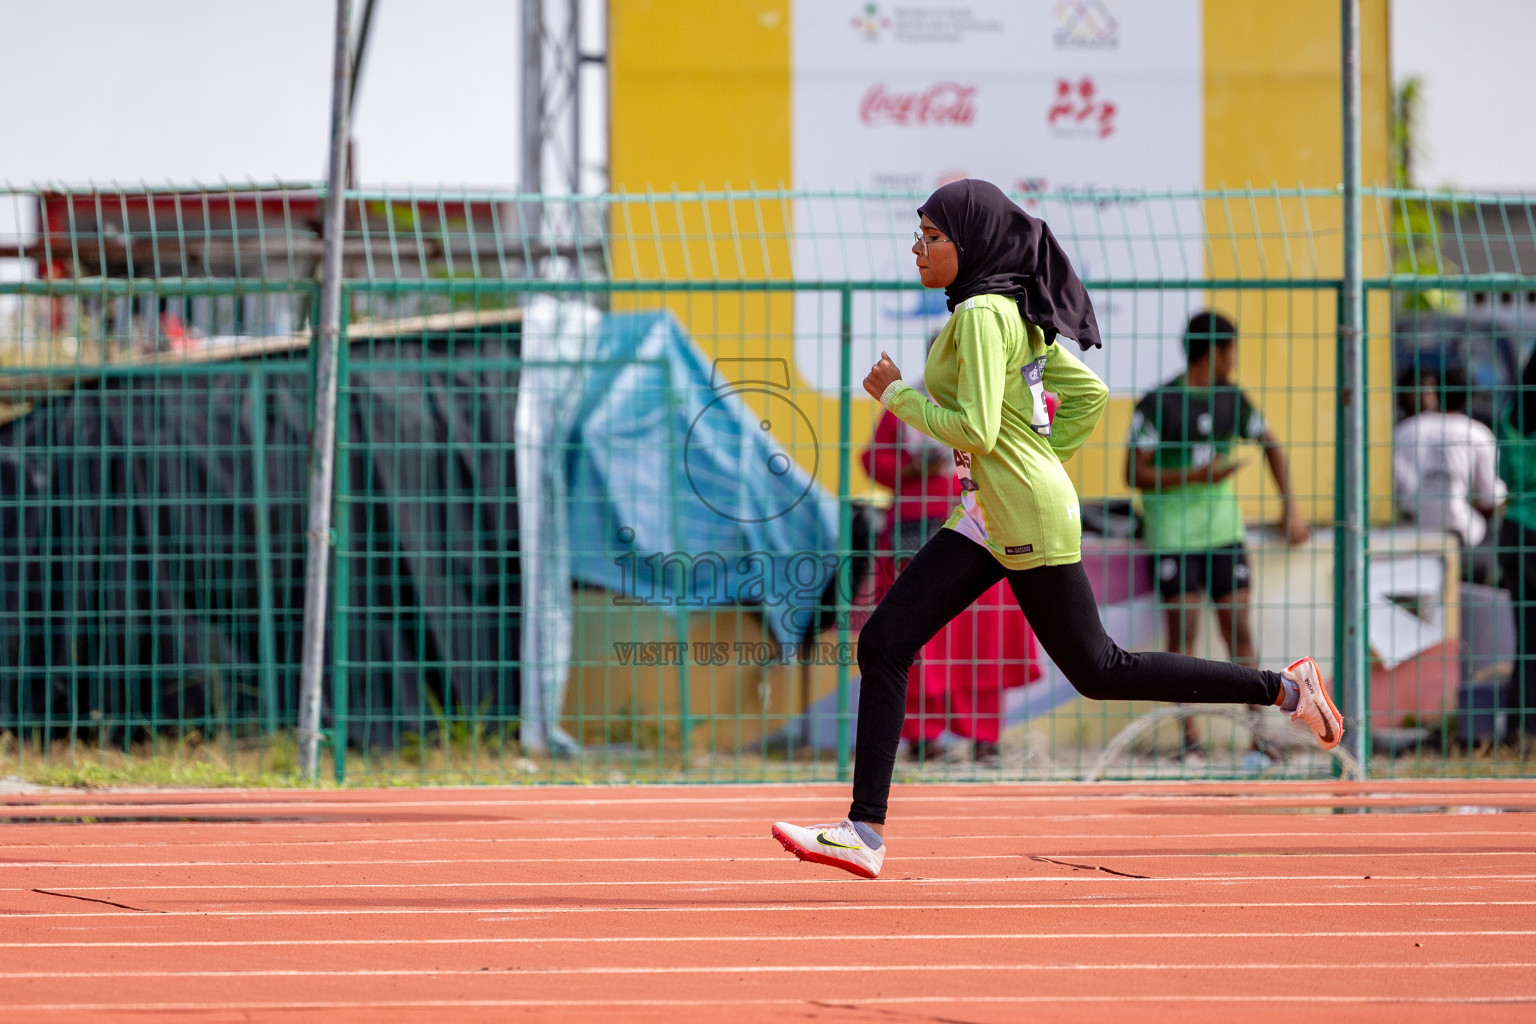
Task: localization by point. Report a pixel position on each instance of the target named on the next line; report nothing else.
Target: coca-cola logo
(943, 103)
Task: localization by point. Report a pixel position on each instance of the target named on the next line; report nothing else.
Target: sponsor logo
(1086, 25)
(1101, 196)
(944, 103)
(922, 24)
(1019, 549)
(1030, 188)
(871, 23)
(892, 181)
(1078, 110)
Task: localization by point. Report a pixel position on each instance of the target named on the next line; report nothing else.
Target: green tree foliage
(1415, 221)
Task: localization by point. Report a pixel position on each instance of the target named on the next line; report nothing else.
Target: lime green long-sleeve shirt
(988, 371)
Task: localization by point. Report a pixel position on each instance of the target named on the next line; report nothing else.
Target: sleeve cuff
(891, 390)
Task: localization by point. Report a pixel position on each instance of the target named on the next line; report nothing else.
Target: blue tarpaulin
(682, 494)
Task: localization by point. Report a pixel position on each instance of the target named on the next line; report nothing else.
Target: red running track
(1402, 902)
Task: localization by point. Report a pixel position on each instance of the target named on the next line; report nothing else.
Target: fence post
(266, 631)
(322, 441)
(680, 604)
(341, 531)
(1350, 556)
(844, 531)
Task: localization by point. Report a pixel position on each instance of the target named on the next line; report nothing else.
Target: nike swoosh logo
(1322, 707)
(821, 837)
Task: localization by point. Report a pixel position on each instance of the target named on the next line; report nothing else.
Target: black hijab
(1005, 251)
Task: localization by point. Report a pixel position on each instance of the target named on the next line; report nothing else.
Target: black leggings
(951, 572)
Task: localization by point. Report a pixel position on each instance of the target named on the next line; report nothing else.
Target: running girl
(1011, 291)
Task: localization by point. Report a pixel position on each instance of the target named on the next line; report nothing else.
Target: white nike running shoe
(1315, 706)
(837, 846)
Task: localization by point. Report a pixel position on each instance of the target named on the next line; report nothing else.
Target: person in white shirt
(1445, 464)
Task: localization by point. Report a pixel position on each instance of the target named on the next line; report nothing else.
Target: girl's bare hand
(880, 376)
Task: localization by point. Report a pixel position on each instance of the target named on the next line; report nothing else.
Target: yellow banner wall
(701, 99)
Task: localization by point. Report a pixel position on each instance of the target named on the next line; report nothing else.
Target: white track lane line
(1089, 876)
(449, 811)
(438, 861)
(596, 1004)
(818, 907)
(754, 836)
(514, 940)
(738, 969)
(239, 820)
(736, 798)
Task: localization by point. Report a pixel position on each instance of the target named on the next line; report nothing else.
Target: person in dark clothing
(1011, 291)
(1517, 552)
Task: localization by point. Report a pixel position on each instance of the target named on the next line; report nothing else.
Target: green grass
(457, 760)
(189, 763)
(150, 772)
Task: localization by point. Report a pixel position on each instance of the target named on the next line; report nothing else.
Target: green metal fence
(610, 502)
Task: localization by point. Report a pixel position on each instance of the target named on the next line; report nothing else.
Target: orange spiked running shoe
(1315, 707)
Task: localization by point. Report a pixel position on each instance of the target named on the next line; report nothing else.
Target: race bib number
(963, 471)
(1034, 376)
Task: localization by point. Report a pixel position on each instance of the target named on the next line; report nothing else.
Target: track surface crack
(92, 899)
(1088, 867)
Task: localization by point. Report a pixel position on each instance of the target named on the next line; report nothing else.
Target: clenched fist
(880, 376)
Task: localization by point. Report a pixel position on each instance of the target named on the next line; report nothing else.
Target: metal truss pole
(1352, 553)
(322, 451)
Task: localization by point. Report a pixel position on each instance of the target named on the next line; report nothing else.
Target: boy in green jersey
(1182, 436)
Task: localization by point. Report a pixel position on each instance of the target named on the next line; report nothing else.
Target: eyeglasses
(923, 241)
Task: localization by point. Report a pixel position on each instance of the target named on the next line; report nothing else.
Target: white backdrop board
(1078, 98)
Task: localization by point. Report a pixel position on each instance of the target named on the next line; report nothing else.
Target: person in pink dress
(958, 680)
